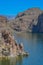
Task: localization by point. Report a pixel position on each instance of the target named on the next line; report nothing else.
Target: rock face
(9, 46)
(3, 22)
(30, 20)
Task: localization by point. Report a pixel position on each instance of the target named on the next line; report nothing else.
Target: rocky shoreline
(9, 47)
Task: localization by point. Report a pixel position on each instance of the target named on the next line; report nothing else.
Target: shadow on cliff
(39, 27)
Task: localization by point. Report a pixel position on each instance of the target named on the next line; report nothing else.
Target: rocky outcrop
(30, 20)
(9, 47)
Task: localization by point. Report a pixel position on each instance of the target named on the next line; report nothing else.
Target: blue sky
(13, 7)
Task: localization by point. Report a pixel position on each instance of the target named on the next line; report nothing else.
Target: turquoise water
(33, 44)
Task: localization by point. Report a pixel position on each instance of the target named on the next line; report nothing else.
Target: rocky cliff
(30, 20)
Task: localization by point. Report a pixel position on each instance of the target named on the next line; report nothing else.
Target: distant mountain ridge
(30, 20)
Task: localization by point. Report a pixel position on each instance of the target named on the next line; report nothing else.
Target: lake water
(33, 44)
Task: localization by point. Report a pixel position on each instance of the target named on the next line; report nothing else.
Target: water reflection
(11, 61)
(5, 62)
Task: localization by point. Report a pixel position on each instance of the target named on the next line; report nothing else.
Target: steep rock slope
(30, 20)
